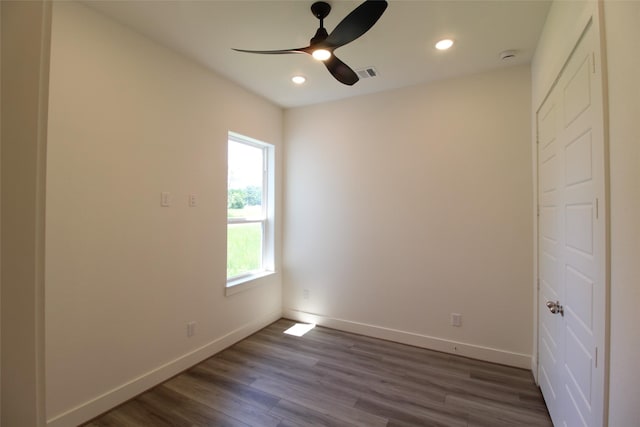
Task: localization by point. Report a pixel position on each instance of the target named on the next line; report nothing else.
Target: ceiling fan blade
(275, 52)
(341, 71)
(358, 22)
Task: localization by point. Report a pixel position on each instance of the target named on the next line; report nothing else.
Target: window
(249, 209)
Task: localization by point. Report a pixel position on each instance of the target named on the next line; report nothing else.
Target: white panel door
(571, 241)
(550, 236)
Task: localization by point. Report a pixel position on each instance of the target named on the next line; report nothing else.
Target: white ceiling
(399, 46)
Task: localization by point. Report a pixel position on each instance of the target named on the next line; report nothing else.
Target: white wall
(25, 70)
(0, 215)
(128, 120)
(405, 206)
(563, 26)
(622, 33)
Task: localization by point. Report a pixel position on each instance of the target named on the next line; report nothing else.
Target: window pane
(246, 181)
(244, 248)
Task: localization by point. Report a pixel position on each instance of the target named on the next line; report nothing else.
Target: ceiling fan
(322, 45)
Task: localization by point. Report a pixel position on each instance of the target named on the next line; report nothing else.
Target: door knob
(555, 307)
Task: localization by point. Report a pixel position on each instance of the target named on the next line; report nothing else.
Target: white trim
(424, 341)
(268, 213)
(245, 221)
(126, 391)
(245, 282)
(28, 46)
(237, 137)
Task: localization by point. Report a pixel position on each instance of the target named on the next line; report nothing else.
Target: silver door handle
(555, 307)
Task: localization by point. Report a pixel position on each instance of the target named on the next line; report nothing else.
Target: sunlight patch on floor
(299, 329)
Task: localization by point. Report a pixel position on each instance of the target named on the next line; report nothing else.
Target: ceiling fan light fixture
(298, 79)
(444, 44)
(321, 54)
(321, 46)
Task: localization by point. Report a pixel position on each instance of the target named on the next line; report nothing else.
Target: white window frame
(249, 280)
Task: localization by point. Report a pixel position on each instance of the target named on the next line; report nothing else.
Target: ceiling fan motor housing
(320, 36)
(320, 9)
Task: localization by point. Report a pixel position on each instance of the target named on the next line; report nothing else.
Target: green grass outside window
(244, 248)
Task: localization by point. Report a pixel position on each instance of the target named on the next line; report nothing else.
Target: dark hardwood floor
(333, 378)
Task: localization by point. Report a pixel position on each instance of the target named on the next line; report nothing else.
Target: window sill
(245, 283)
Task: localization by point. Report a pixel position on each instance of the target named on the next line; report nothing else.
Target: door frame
(594, 18)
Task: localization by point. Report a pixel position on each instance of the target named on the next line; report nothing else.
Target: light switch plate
(165, 199)
(456, 319)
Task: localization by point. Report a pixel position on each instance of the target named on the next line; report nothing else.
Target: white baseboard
(424, 341)
(534, 368)
(124, 392)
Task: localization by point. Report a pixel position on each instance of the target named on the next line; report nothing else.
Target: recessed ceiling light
(298, 79)
(444, 44)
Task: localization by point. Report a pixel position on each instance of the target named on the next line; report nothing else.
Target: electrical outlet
(193, 200)
(305, 293)
(191, 329)
(456, 319)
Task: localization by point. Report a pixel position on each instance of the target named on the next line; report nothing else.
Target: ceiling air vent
(365, 73)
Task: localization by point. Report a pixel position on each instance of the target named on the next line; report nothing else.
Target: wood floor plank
(131, 414)
(301, 416)
(221, 367)
(198, 388)
(397, 388)
(410, 415)
(516, 415)
(283, 355)
(333, 378)
(184, 412)
(345, 412)
(232, 387)
(314, 379)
